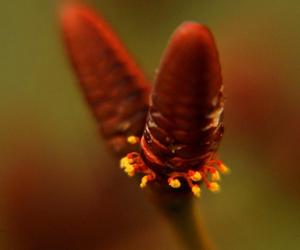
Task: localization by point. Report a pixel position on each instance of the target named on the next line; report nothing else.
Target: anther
(132, 139)
(129, 169)
(174, 183)
(215, 176)
(196, 190)
(214, 187)
(144, 181)
(195, 176)
(223, 168)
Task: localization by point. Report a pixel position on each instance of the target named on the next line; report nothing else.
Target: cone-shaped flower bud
(115, 88)
(185, 119)
(184, 125)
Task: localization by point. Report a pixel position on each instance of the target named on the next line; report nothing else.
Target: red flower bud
(114, 87)
(184, 125)
(185, 119)
(185, 116)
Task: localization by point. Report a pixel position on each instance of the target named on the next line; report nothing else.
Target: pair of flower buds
(169, 136)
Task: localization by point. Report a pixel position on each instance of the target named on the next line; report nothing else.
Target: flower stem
(182, 215)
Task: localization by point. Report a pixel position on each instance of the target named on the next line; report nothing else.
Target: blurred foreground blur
(59, 187)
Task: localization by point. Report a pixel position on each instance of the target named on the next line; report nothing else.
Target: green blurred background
(60, 189)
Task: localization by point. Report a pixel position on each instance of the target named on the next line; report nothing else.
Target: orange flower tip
(193, 29)
(133, 139)
(69, 11)
(215, 176)
(214, 187)
(144, 181)
(174, 183)
(196, 176)
(196, 190)
(224, 169)
(196, 35)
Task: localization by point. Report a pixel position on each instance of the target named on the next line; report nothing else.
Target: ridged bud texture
(184, 124)
(114, 87)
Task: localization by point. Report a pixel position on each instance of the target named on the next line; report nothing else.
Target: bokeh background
(59, 187)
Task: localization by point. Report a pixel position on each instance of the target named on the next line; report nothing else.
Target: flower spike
(175, 144)
(185, 119)
(115, 88)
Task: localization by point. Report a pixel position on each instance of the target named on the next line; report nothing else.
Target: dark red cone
(113, 85)
(184, 124)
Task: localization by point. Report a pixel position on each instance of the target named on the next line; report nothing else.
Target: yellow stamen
(123, 162)
(196, 176)
(144, 181)
(174, 183)
(215, 176)
(132, 139)
(127, 165)
(196, 190)
(129, 169)
(214, 187)
(223, 168)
